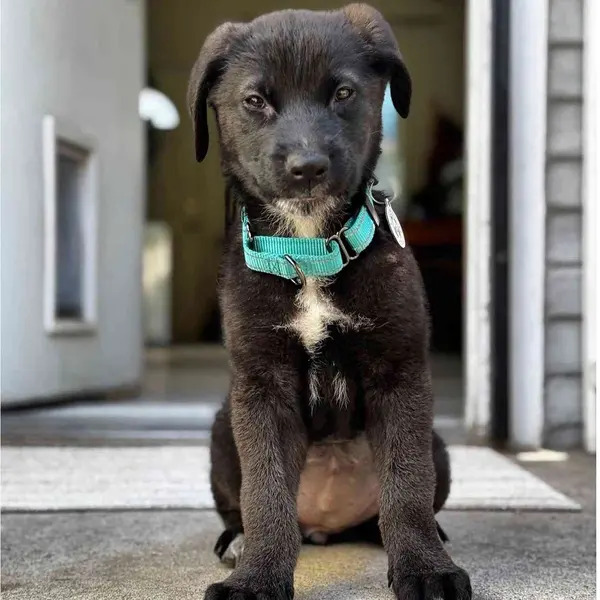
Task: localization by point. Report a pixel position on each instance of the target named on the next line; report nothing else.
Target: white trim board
(478, 221)
(108, 478)
(527, 222)
(591, 217)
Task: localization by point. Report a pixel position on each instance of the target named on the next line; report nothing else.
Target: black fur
(295, 63)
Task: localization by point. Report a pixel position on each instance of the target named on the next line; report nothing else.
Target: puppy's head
(297, 96)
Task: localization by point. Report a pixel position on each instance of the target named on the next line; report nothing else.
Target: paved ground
(167, 554)
(163, 555)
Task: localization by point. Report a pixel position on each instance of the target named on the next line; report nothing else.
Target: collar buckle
(346, 250)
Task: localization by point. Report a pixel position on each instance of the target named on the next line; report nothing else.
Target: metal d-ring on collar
(387, 200)
(249, 233)
(300, 281)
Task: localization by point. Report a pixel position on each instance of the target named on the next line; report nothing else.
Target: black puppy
(328, 426)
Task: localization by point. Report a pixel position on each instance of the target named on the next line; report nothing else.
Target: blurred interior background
(111, 233)
(421, 164)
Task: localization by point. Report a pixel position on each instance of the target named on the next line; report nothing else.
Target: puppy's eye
(255, 101)
(343, 93)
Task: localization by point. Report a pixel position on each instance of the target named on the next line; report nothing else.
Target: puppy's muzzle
(306, 169)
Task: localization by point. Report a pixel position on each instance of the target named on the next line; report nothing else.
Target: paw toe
(453, 585)
(222, 591)
(227, 591)
(457, 585)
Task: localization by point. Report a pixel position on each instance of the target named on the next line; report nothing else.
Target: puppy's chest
(322, 325)
(315, 312)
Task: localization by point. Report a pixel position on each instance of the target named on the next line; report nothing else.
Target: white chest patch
(315, 309)
(315, 313)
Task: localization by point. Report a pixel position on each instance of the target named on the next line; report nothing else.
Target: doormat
(177, 477)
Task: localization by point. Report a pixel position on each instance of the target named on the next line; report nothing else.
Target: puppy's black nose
(307, 168)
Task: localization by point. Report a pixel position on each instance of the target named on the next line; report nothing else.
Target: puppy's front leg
(399, 425)
(271, 443)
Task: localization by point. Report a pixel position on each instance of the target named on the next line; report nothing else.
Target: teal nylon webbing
(315, 256)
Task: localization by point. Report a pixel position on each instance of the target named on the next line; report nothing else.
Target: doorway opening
(422, 163)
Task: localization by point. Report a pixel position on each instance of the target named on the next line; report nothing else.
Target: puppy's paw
(453, 584)
(230, 547)
(223, 542)
(239, 591)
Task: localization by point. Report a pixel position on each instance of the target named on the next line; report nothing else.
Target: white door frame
(591, 194)
(527, 152)
(478, 219)
(527, 223)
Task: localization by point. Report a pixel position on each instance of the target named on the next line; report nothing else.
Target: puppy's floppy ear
(378, 35)
(209, 65)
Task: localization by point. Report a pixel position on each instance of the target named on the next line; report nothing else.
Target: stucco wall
(82, 61)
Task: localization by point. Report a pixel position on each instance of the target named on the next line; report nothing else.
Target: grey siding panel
(564, 128)
(565, 72)
(563, 385)
(563, 184)
(563, 243)
(563, 347)
(563, 427)
(563, 292)
(566, 21)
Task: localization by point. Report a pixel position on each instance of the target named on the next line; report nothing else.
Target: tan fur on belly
(339, 487)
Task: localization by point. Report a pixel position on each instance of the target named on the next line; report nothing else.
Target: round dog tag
(394, 224)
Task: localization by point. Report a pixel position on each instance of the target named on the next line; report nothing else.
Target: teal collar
(297, 258)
